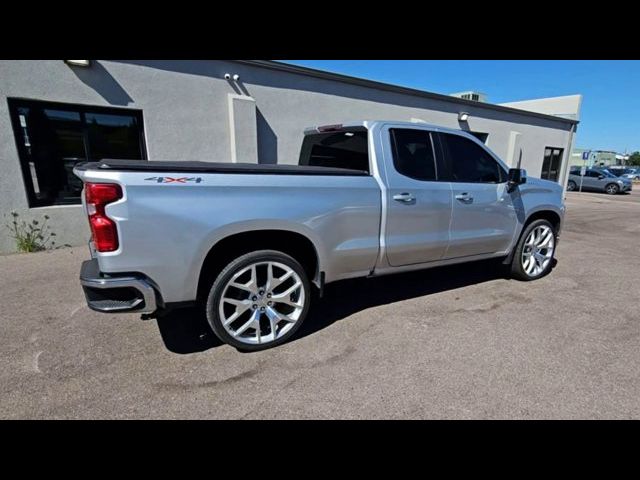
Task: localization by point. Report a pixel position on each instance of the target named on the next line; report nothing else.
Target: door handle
(464, 198)
(404, 197)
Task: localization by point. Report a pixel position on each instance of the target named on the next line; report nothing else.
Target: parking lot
(454, 342)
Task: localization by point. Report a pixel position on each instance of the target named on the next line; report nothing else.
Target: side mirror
(517, 176)
(600, 177)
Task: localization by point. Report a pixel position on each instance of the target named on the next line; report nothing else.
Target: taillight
(103, 229)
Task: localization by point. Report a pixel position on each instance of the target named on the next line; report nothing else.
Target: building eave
(338, 77)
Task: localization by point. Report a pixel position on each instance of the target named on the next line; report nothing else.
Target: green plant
(634, 159)
(33, 236)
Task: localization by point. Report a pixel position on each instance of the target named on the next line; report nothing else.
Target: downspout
(566, 166)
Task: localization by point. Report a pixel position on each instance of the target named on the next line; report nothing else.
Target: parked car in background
(632, 173)
(618, 171)
(598, 180)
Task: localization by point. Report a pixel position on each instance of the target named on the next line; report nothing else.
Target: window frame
(15, 103)
(392, 143)
(447, 164)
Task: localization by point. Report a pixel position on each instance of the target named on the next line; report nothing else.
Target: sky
(610, 115)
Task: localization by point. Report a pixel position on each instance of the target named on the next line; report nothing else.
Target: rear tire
(259, 300)
(571, 186)
(612, 189)
(533, 257)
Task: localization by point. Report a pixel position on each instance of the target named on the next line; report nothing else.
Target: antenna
(520, 159)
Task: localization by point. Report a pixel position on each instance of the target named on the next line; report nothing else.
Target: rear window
(343, 149)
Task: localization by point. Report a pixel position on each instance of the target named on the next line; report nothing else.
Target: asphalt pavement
(454, 342)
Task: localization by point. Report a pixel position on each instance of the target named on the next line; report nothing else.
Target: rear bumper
(106, 293)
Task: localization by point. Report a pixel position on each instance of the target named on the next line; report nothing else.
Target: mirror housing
(517, 176)
(600, 177)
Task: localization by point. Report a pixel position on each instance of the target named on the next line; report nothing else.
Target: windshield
(607, 173)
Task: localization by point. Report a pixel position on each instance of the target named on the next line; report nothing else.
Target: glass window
(113, 136)
(342, 149)
(551, 163)
(52, 138)
(468, 162)
(413, 153)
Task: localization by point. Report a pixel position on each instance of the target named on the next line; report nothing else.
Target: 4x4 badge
(175, 180)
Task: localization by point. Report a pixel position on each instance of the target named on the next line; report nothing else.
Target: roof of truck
(371, 123)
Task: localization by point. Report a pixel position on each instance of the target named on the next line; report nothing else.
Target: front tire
(571, 186)
(612, 189)
(259, 300)
(533, 257)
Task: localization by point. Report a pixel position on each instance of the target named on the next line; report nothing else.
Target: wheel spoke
(273, 313)
(528, 264)
(277, 281)
(287, 301)
(288, 291)
(255, 316)
(251, 286)
(545, 241)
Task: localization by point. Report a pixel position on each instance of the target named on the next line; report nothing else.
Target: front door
(592, 181)
(418, 205)
(483, 219)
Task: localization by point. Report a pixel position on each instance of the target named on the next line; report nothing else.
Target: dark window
(113, 136)
(593, 173)
(469, 162)
(53, 137)
(551, 163)
(343, 149)
(413, 153)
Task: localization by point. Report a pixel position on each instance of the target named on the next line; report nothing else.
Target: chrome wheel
(612, 189)
(261, 302)
(537, 251)
(571, 186)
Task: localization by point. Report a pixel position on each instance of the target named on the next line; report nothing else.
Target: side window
(342, 149)
(413, 153)
(593, 173)
(470, 163)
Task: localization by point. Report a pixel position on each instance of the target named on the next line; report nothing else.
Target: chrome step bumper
(116, 294)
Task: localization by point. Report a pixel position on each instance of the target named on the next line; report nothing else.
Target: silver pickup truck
(251, 242)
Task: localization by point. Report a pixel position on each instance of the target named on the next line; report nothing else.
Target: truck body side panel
(167, 229)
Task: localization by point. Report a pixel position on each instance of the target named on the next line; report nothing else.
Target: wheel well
(222, 253)
(550, 215)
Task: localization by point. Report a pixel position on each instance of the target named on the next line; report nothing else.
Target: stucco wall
(185, 106)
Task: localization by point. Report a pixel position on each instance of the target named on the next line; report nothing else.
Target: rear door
(418, 205)
(483, 218)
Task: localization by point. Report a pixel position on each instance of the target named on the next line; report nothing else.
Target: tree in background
(634, 159)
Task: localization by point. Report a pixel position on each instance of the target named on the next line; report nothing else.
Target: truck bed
(214, 167)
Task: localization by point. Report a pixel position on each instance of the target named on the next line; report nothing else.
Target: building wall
(567, 106)
(187, 108)
(597, 158)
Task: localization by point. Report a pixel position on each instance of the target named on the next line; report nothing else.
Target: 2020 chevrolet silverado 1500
(249, 241)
